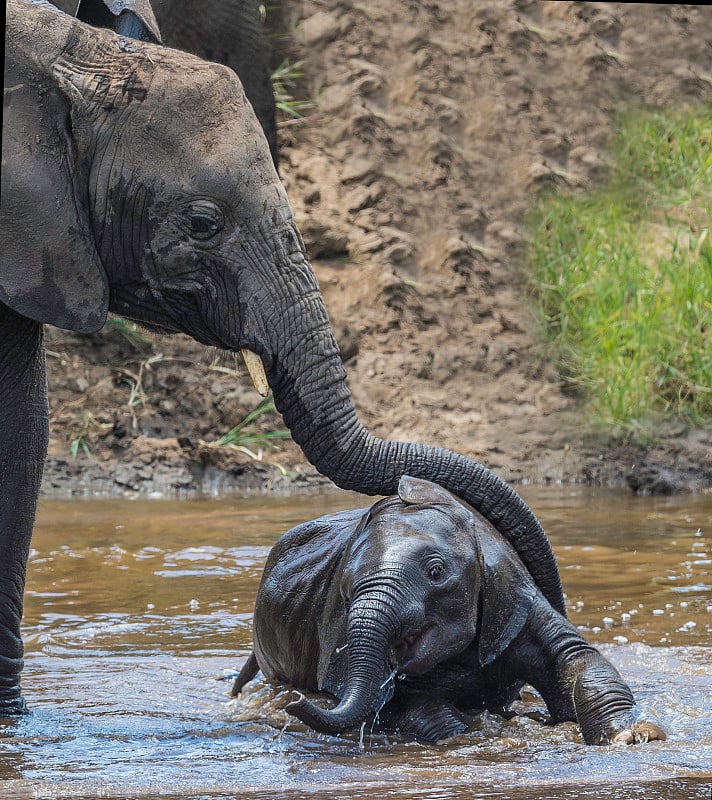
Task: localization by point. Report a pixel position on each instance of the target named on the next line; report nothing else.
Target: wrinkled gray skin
(229, 32)
(422, 587)
(136, 179)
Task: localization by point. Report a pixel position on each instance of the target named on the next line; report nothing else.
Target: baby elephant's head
(412, 570)
(423, 578)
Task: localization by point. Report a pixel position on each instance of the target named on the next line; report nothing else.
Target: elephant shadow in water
(420, 586)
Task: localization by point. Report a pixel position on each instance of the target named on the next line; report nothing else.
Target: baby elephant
(416, 614)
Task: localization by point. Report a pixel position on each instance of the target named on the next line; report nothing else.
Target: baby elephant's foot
(640, 733)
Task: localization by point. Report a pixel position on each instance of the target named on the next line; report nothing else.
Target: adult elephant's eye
(436, 570)
(203, 220)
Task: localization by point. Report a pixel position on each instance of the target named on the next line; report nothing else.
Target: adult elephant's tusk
(257, 371)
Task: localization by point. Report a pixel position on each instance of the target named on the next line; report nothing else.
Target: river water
(137, 612)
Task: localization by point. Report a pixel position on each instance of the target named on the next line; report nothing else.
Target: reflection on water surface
(137, 610)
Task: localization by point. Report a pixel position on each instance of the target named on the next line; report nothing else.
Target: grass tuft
(129, 330)
(244, 433)
(284, 80)
(623, 276)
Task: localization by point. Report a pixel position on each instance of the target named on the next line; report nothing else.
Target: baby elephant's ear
(416, 491)
(131, 18)
(507, 594)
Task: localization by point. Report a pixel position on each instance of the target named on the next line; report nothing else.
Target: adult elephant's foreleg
(24, 432)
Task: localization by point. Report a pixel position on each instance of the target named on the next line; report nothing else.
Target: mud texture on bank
(433, 126)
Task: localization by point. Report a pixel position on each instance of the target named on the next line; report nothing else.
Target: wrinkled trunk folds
(310, 390)
(372, 628)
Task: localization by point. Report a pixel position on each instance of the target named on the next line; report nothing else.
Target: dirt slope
(433, 124)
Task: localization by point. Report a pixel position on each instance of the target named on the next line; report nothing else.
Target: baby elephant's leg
(604, 703)
(577, 682)
(427, 719)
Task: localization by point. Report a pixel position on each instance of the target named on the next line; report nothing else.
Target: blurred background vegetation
(623, 276)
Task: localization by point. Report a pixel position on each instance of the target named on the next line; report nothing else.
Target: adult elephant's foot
(11, 701)
(640, 733)
(12, 706)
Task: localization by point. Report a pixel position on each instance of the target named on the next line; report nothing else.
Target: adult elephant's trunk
(309, 384)
(372, 629)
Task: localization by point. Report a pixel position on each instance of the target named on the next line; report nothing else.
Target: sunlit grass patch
(623, 276)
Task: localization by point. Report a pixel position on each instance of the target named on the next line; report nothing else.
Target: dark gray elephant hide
(418, 612)
(229, 32)
(137, 179)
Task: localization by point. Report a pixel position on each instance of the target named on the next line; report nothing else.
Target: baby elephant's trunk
(372, 629)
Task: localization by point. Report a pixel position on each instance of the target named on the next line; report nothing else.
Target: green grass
(245, 433)
(623, 276)
(129, 330)
(284, 80)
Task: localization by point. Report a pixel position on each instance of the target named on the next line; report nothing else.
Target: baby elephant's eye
(436, 570)
(203, 220)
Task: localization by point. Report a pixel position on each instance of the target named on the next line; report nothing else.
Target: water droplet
(194, 605)
(608, 622)
(687, 627)
(620, 639)
(658, 612)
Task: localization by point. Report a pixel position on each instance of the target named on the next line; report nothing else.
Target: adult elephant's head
(136, 179)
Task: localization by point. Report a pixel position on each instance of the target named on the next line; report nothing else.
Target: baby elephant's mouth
(408, 650)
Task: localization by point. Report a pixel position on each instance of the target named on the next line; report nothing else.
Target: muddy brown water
(137, 611)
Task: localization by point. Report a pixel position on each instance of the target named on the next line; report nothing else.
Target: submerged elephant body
(137, 179)
(419, 612)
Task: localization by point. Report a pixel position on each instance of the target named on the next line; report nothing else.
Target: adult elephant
(137, 179)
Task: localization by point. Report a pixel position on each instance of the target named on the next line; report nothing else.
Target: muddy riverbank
(432, 126)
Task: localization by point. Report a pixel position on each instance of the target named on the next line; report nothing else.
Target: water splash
(140, 709)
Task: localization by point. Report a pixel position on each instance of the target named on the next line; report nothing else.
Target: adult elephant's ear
(131, 18)
(49, 266)
(507, 593)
